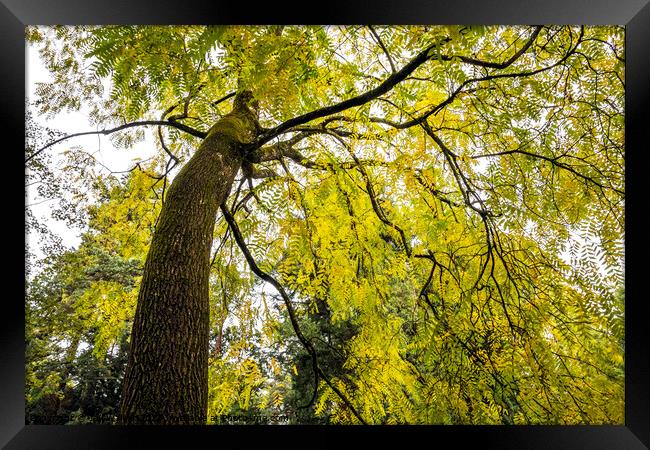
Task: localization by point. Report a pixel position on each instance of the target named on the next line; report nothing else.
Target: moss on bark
(166, 380)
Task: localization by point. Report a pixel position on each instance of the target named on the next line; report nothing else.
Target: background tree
(429, 185)
(79, 308)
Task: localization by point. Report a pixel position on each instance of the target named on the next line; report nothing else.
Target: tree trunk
(166, 379)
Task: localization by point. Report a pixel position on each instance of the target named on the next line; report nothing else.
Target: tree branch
(553, 161)
(292, 314)
(180, 126)
(285, 149)
(223, 99)
(277, 151)
(258, 173)
(383, 47)
(387, 85)
(503, 65)
(418, 120)
(358, 100)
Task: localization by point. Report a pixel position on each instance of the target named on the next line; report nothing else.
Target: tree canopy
(428, 227)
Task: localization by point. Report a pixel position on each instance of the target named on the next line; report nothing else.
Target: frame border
(634, 14)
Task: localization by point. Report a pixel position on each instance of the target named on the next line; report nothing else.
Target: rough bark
(166, 380)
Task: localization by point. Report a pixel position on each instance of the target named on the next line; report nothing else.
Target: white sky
(98, 145)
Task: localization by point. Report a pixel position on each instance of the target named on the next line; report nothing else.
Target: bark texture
(166, 379)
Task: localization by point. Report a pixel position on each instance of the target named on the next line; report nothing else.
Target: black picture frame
(634, 14)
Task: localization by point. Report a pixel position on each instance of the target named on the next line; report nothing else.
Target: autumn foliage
(448, 248)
